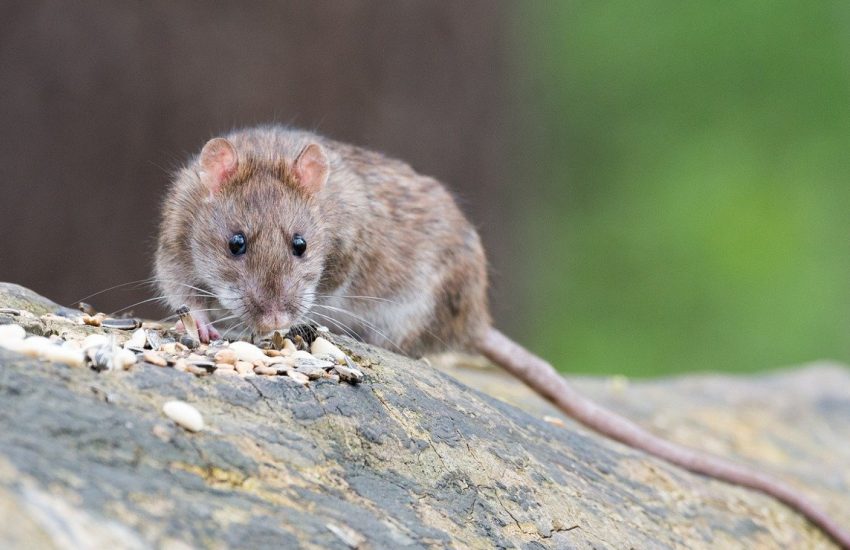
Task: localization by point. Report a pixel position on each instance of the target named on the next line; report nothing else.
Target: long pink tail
(542, 378)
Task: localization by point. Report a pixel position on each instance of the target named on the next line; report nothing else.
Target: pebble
(12, 332)
(247, 352)
(320, 347)
(120, 324)
(184, 415)
(154, 359)
(225, 356)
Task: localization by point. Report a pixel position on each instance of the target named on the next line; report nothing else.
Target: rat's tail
(542, 378)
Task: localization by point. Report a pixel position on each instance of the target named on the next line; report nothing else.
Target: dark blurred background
(661, 187)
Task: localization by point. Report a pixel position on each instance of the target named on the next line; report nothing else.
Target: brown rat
(272, 226)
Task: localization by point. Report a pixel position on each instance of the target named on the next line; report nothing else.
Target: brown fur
(390, 257)
(375, 229)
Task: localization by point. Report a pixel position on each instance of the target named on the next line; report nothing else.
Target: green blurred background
(660, 186)
(695, 158)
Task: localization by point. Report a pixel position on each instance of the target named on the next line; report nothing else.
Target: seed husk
(120, 323)
(189, 323)
(10, 311)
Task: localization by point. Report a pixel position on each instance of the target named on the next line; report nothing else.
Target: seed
(154, 359)
(272, 352)
(189, 342)
(289, 346)
(95, 341)
(320, 346)
(173, 347)
(244, 367)
(196, 370)
(123, 359)
(226, 372)
(298, 377)
(12, 332)
(137, 340)
(225, 356)
(262, 369)
(208, 366)
(247, 352)
(34, 345)
(68, 356)
(86, 308)
(224, 366)
(553, 420)
(311, 372)
(280, 362)
(184, 415)
(181, 365)
(311, 363)
(10, 311)
(152, 325)
(93, 320)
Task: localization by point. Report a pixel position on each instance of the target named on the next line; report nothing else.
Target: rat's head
(257, 240)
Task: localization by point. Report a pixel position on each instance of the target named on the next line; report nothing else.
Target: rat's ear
(311, 168)
(218, 162)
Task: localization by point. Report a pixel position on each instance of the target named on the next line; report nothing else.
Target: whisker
(140, 282)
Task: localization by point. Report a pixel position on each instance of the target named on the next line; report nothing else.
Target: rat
(270, 226)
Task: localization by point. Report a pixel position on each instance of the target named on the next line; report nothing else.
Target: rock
(410, 457)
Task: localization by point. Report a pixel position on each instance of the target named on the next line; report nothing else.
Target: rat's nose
(273, 320)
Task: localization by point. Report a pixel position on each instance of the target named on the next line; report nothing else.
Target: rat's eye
(299, 245)
(238, 244)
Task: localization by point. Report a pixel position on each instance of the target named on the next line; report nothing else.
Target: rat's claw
(206, 332)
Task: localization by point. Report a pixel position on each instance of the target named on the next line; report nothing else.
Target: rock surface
(409, 458)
